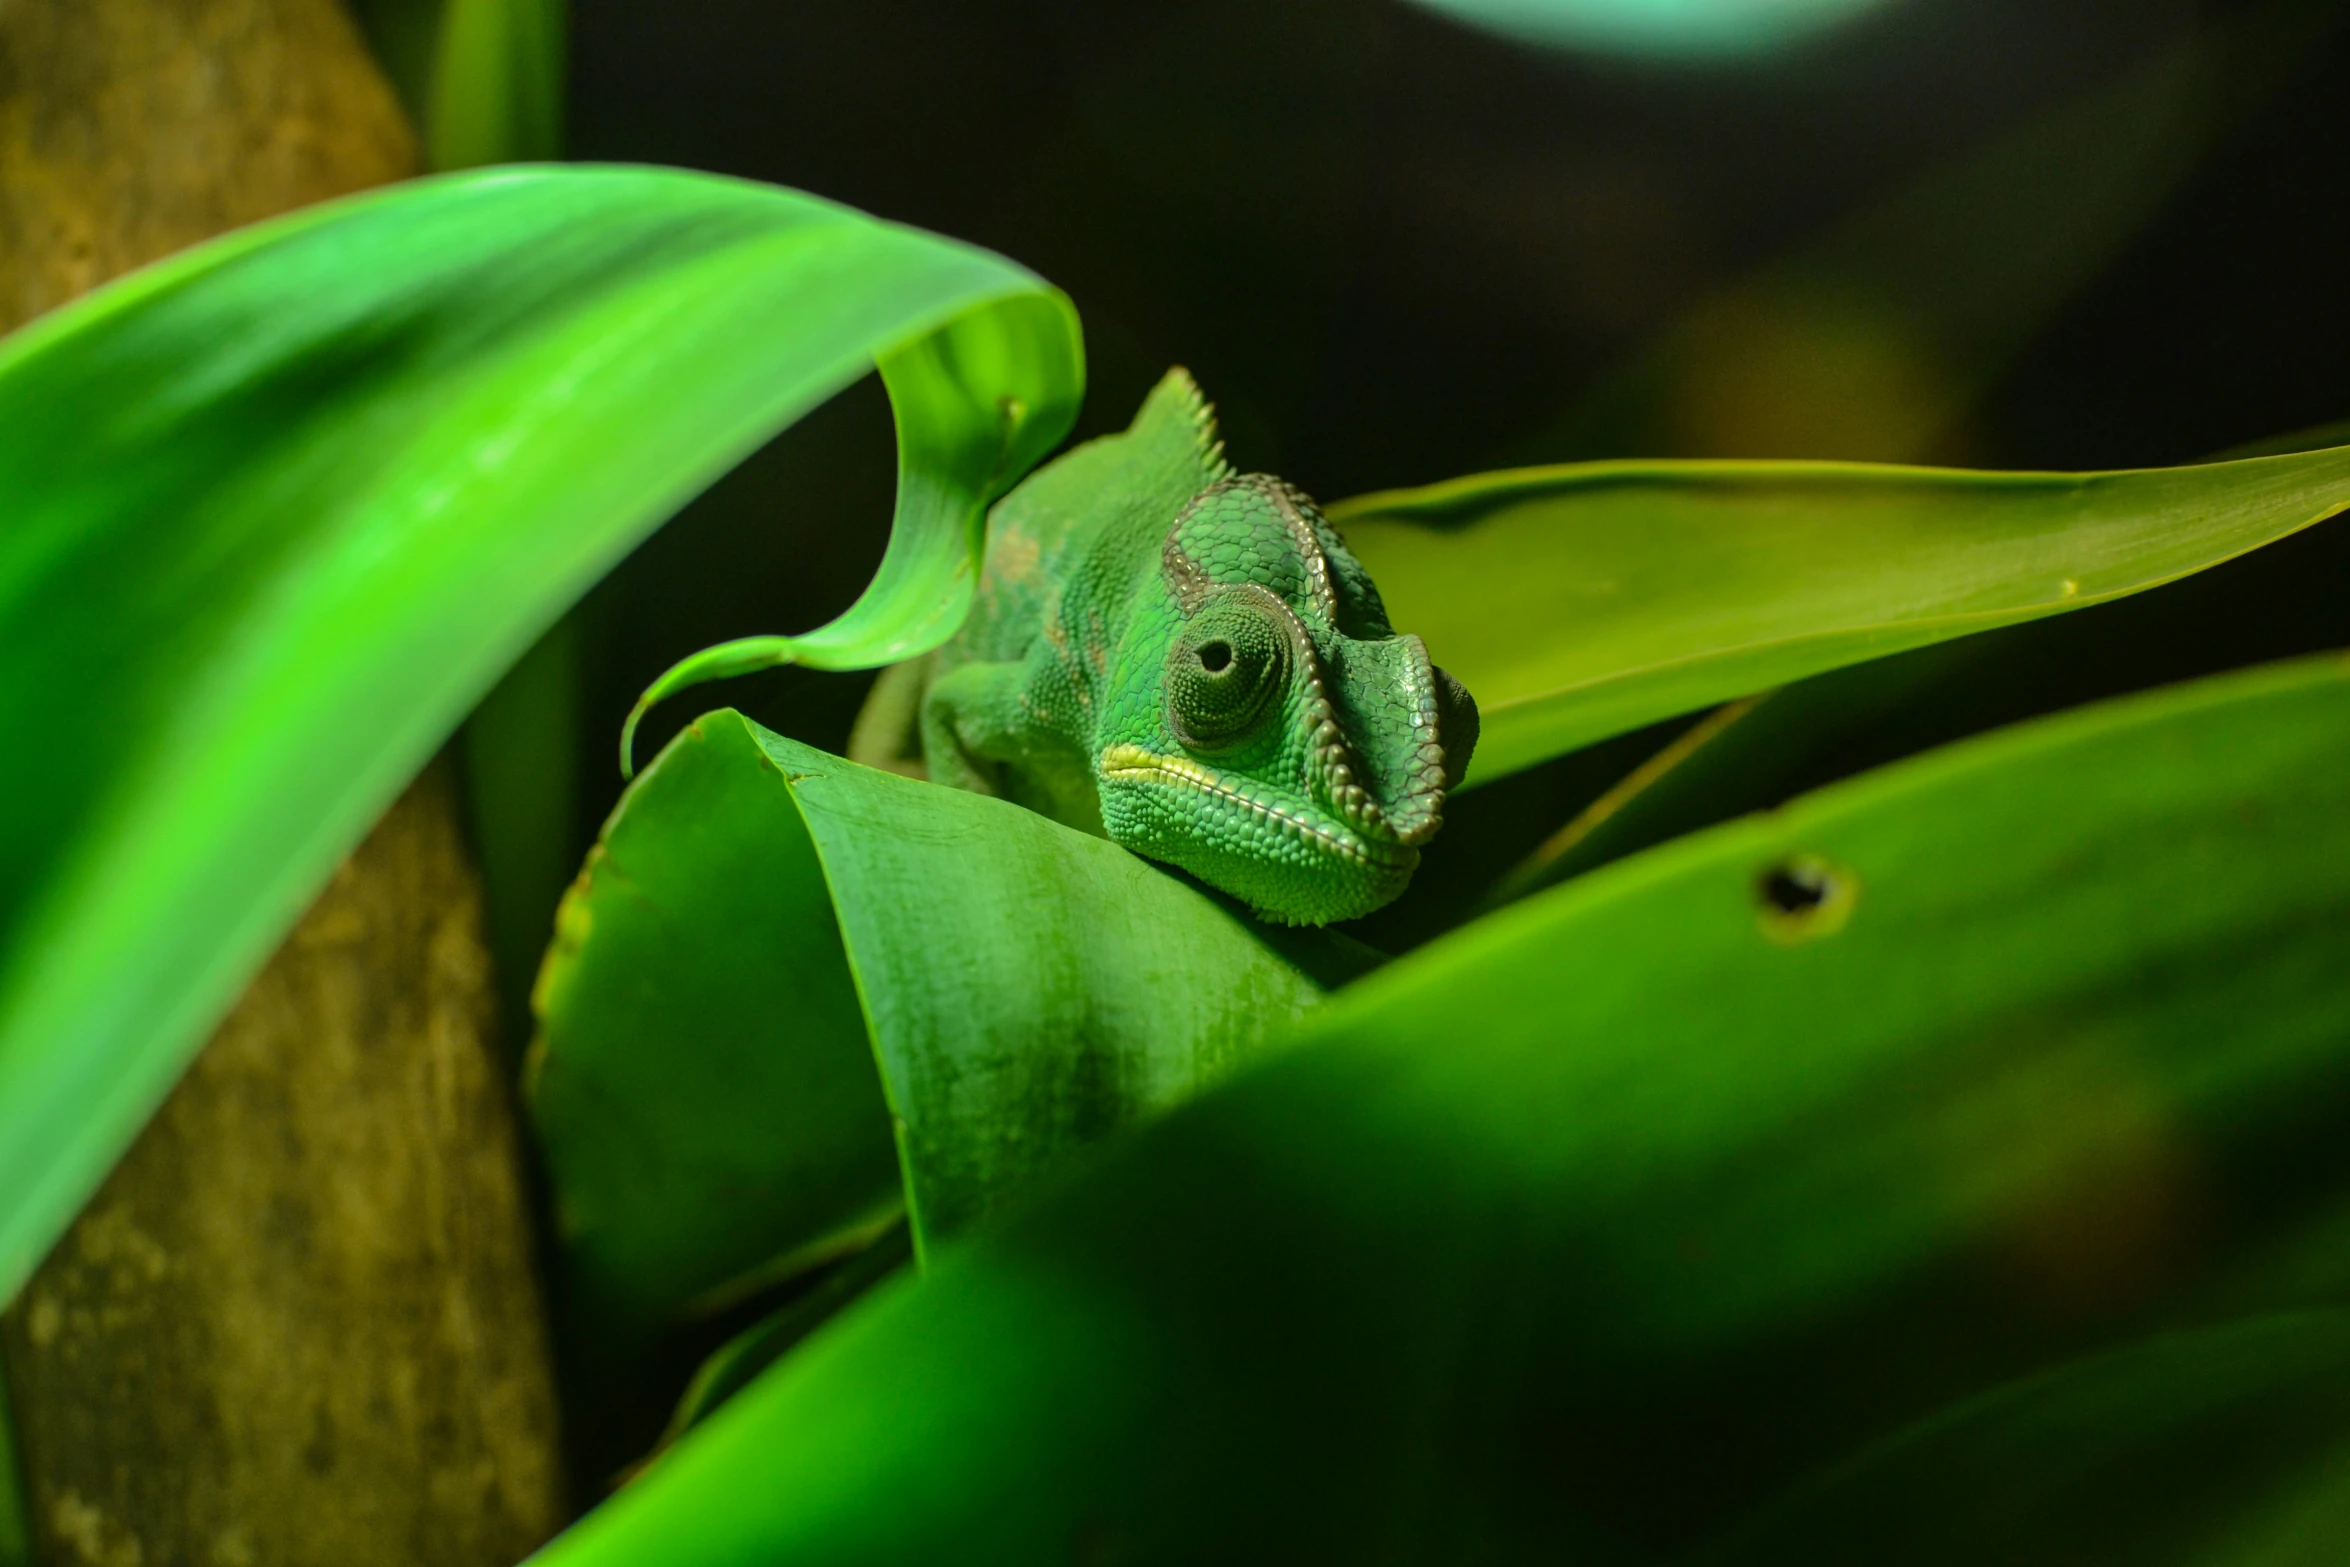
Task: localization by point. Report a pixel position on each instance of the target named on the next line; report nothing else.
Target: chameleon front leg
(980, 733)
(973, 726)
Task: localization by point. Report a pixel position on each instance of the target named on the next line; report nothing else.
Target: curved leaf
(1722, 1186)
(965, 398)
(278, 510)
(1580, 602)
(702, 1088)
(762, 923)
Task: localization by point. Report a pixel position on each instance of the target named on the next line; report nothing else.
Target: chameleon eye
(1222, 672)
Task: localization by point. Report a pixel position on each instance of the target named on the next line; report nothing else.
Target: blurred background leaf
(1767, 1146)
(283, 506)
(2226, 1446)
(484, 80)
(1669, 28)
(497, 90)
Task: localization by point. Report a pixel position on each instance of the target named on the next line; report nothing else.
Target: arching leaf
(783, 976)
(1581, 602)
(278, 510)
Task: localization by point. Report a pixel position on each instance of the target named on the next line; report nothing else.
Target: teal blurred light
(1656, 28)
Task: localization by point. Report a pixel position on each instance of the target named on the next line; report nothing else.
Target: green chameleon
(1190, 662)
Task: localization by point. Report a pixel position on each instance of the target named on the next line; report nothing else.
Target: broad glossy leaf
(483, 80)
(278, 510)
(1583, 601)
(2222, 1445)
(702, 1086)
(764, 923)
(1716, 1189)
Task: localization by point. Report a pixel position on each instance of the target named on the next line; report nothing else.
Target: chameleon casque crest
(1190, 662)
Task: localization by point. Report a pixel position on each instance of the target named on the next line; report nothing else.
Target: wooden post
(299, 1323)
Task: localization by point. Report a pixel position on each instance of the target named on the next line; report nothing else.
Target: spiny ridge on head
(1178, 413)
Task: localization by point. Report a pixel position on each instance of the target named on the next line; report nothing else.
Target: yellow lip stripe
(1131, 763)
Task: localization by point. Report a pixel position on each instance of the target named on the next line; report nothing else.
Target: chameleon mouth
(1125, 763)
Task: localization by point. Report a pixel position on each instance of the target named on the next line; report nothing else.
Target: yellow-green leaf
(1584, 601)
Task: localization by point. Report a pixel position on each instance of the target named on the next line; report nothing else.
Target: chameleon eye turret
(1223, 671)
(1191, 662)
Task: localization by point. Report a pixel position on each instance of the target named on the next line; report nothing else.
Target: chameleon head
(1273, 735)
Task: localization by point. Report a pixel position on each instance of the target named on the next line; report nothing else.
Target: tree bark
(133, 128)
(299, 1323)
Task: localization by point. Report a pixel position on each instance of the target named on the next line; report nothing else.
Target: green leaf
(702, 1086)
(497, 83)
(738, 1362)
(1584, 601)
(762, 924)
(2280, 602)
(280, 509)
(1744, 756)
(2188, 1449)
(483, 82)
(1715, 1190)
(967, 430)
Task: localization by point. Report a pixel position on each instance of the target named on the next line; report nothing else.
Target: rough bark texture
(299, 1323)
(132, 128)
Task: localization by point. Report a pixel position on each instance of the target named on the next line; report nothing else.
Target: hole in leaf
(1215, 657)
(1796, 889)
(1804, 896)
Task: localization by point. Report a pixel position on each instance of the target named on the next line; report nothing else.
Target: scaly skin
(1191, 663)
